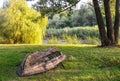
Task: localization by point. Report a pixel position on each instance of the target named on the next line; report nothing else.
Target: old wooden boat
(40, 61)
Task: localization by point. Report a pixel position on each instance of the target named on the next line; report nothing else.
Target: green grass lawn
(83, 63)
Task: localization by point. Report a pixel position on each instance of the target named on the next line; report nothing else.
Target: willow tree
(109, 36)
(23, 24)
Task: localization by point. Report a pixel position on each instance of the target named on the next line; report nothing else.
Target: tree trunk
(117, 21)
(101, 26)
(110, 31)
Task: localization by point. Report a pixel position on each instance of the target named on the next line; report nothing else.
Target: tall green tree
(22, 24)
(110, 36)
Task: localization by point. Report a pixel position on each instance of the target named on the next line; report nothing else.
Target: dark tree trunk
(117, 21)
(101, 26)
(110, 31)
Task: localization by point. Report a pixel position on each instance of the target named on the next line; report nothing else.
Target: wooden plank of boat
(40, 61)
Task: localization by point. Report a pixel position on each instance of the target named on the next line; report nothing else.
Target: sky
(1, 3)
(82, 2)
(29, 3)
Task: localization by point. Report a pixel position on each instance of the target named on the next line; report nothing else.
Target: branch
(56, 7)
(69, 6)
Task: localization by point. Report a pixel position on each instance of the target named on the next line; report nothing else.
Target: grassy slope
(83, 63)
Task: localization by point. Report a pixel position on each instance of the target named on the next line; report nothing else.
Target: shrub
(53, 40)
(80, 32)
(78, 35)
(90, 40)
(71, 39)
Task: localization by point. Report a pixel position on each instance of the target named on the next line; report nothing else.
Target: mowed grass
(83, 63)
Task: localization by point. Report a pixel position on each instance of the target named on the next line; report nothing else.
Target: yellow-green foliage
(112, 7)
(71, 39)
(53, 40)
(23, 24)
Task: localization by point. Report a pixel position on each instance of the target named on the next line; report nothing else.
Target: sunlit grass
(83, 63)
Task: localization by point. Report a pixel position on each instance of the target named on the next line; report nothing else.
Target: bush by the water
(80, 32)
(78, 35)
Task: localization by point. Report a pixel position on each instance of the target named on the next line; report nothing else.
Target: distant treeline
(85, 16)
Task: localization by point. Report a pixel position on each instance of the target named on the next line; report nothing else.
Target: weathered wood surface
(40, 61)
